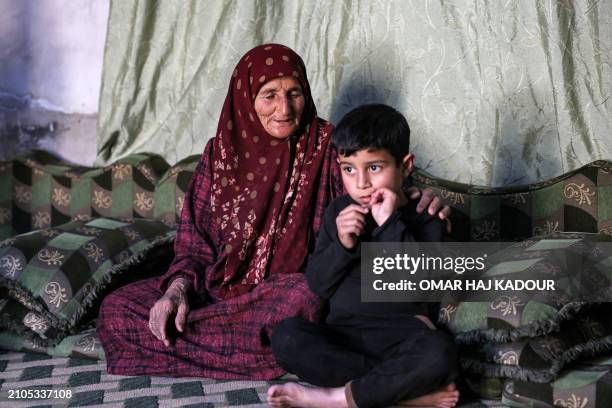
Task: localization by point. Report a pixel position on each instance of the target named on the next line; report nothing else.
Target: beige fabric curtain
(496, 92)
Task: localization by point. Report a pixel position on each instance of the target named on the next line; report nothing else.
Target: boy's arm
(393, 229)
(429, 228)
(425, 228)
(327, 265)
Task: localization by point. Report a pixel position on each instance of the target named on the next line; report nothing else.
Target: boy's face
(366, 171)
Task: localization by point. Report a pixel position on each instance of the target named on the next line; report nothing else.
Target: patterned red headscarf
(263, 195)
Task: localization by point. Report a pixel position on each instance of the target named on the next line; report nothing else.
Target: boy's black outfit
(381, 348)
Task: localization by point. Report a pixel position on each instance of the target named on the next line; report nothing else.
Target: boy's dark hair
(373, 127)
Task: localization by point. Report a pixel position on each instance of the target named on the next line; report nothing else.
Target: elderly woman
(249, 220)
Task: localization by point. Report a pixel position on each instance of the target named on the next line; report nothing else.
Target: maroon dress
(251, 213)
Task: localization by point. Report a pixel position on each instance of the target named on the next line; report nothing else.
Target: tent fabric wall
(496, 92)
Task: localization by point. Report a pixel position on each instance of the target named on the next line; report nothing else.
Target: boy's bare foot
(446, 397)
(296, 395)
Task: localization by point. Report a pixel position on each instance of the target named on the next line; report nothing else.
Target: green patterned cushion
(52, 280)
(171, 189)
(587, 384)
(577, 201)
(6, 200)
(542, 358)
(40, 191)
(560, 257)
(489, 388)
(82, 345)
(26, 321)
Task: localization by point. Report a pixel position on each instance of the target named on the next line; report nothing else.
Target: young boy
(367, 354)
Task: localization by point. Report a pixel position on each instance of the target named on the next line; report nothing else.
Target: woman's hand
(432, 202)
(173, 302)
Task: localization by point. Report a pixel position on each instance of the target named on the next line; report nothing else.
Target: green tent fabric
(496, 93)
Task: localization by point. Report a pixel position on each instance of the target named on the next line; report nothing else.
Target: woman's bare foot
(446, 397)
(296, 395)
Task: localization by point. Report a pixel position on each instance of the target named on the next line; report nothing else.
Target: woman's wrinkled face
(279, 105)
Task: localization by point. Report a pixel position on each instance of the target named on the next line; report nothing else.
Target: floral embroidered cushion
(489, 388)
(580, 200)
(170, 190)
(53, 279)
(40, 191)
(542, 358)
(560, 257)
(82, 345)
(585, 384)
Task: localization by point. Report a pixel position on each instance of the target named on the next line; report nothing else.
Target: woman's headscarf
(264, 188)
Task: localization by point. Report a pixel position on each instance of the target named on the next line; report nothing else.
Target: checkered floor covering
(91, 386)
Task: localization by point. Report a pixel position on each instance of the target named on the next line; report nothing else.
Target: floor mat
(88, 384)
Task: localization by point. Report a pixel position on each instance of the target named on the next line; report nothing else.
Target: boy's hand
(384, 202)
(350, 224)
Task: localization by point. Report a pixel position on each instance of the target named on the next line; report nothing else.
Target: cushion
(171, 188)
(84, 344)
(39, 190)
(52, 280)
(579, 200)
(587, 384)
(475, 386)
(541, 359)
(562, 257)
